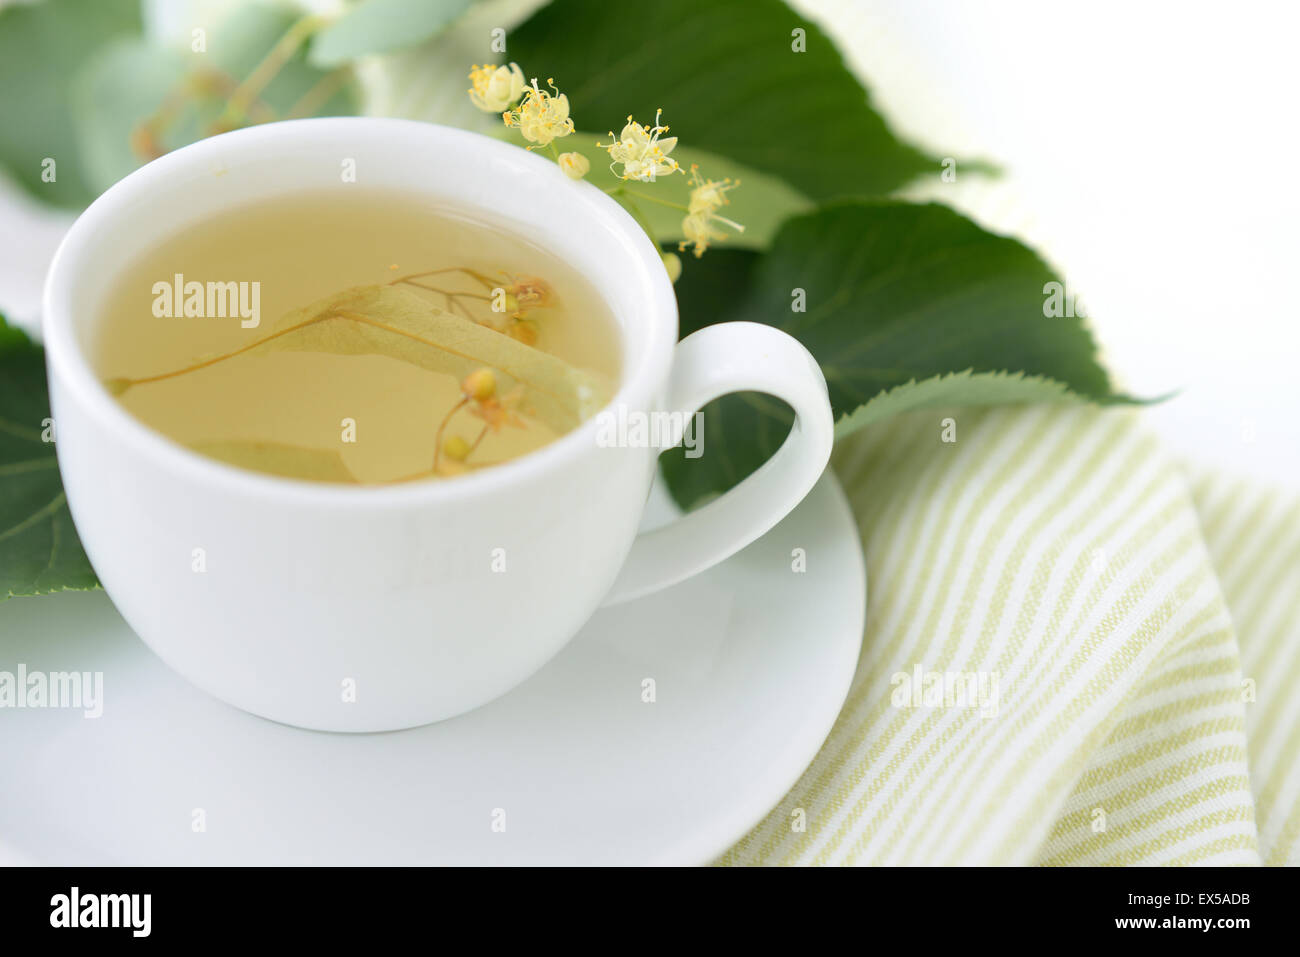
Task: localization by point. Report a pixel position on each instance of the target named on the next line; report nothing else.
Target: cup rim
(66, 360)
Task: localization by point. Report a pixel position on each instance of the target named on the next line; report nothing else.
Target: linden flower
(530, 292)
(480, 391)
(496, 87)
(479, 385)
(707, 197)
(522, 295)
(498, 411)
(643, 154)
(575, 165)
(541, 117)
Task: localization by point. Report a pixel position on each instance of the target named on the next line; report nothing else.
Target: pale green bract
(382, 26)
(394, 322)
(390, 321)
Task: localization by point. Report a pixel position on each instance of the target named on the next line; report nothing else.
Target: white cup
(375, 608)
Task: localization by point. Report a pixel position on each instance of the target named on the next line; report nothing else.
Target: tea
(358, 337)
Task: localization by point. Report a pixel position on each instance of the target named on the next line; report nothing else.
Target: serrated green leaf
(729, 82)
(41, 48)
(39, 548)
(382, 26)
(903, 306)
(966, 388)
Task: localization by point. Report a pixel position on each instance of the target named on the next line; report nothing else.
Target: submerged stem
(478, 276)
(482, 433)
(335, 314)
(228, 355)
(437, 437)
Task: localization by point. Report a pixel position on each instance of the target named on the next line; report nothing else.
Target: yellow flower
(456, 448)
(707, 197)
(498, 411)
(575, 165)
(495, 87)
(529, 292)
(479, 385)
(643, 154)
(542, 116)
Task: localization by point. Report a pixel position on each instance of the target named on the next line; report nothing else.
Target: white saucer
(751, 662)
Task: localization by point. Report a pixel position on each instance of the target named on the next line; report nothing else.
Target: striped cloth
(1116, 641)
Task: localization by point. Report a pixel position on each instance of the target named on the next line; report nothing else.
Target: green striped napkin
(1074, 654)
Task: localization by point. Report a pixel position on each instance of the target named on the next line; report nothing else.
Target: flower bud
(455, 448)
(479, 385)
(575, 165)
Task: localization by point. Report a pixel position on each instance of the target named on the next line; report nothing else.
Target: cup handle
(716, 360)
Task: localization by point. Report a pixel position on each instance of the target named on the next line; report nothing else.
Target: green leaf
(41, 48)
(728, 81)
(122, 85)
(966, 388)
(903, 306)
(183, 96)
(39, 548)
(240, 42)
(383, 26)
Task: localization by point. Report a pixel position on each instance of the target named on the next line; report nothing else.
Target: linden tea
(359, 338)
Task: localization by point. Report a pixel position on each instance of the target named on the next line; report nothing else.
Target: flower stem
(319, 94)
(250, 89)
(437, 438)
(630, 205)
(656, 199)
